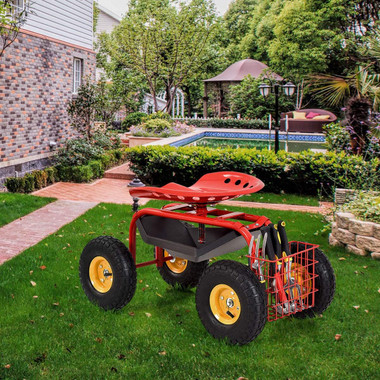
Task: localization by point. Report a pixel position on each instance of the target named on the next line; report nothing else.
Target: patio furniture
(307, 120)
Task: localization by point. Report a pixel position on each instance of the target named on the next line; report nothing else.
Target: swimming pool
(292, 142)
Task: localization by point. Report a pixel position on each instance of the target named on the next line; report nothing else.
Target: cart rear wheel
(231, 302)
(182, 272)
(325, 283)
(107, 273)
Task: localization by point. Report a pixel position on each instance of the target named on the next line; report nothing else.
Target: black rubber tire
(123, 270)
(325, 283)
(251, 295)
(189, 278)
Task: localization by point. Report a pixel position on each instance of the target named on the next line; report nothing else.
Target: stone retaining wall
(358, 237)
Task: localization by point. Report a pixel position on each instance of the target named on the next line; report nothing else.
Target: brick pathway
(27, 231)
(324, 207)
(113, 188)
(106, 190)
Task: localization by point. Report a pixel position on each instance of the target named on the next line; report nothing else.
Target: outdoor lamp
(264, 89)
(289, 91)
(289, 88)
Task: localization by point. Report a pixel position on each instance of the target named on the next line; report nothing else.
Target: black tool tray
(180, 239)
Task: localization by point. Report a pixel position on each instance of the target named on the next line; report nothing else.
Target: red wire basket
(295, 276)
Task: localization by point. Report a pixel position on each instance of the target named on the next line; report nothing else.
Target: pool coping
(199, 133)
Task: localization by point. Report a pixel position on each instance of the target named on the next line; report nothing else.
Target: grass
(61, 334)
(14, 206)
(292, 199)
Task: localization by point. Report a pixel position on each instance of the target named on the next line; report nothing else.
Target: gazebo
(233, 75)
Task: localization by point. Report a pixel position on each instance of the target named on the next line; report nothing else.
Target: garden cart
(233, 300)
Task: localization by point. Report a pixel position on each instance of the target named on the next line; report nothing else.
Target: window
(77, 74)
(19, 6)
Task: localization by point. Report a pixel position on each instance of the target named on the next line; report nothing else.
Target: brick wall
(35, 87)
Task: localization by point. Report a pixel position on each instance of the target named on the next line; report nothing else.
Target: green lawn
(13, 206)
(291, 199)
(61, 335)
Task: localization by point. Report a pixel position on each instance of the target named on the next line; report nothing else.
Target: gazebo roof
(239, 70)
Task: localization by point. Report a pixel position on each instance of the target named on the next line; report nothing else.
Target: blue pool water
(218, 139)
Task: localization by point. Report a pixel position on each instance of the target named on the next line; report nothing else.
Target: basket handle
(283, 237)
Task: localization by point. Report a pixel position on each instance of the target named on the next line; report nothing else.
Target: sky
(120, 6)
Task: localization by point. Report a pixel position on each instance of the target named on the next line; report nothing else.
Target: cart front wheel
(181, 272)
(231, 302)
(107, 273)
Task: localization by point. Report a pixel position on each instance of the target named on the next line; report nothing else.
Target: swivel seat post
(201, 210)
(135, 205)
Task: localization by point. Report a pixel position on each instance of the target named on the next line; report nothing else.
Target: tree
(11, 19)
(359, 91)
(299, 37)
(165, 41)
(128, 84)
(245, 99)
(236, 23)
(83, 108)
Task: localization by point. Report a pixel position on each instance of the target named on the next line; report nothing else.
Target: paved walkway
(113, 188)
(27, 231)
(324, 207)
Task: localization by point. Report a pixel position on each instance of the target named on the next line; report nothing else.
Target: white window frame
(77, 74)
(19, 6)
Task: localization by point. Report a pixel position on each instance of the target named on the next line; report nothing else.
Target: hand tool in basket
(290, 282)
(274, 273)
(257, 266)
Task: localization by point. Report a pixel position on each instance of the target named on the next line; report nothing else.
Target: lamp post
(264, 91)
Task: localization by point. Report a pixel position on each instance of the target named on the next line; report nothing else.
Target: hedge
(84, 173)
(306, 173)
(31, 181)
(227, 123)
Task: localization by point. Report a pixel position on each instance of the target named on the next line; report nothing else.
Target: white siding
(66, 20)
(106, 23)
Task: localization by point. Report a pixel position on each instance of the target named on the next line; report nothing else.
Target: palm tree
(360, 92)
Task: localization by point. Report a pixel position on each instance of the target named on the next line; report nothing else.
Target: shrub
(40, 179)
(52, 175)
(96, 168)
(82, 173)
(154, 128)
(64, 172)
(227, 123)
(105, 141)
(182, 128)
(77, 151)
(29, 186)
(157, 115)
(304, 173)
(365, 206)
(337, 138)
(15, 185)
(80, 151)
(106, 160)
(133, 118)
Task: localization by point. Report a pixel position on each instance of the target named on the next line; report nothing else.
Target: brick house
(39, 73)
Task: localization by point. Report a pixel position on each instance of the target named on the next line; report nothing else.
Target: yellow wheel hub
(225, 304)
(100, 273)
(176, 264)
